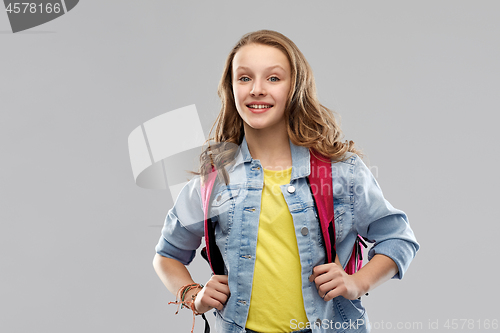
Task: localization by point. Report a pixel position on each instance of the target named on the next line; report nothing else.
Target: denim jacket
(360, 208)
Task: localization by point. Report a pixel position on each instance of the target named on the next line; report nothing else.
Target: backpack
(319, 179)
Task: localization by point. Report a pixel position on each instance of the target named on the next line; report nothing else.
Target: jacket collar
(300, 159)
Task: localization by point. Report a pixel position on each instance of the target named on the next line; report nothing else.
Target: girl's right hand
(213, 295)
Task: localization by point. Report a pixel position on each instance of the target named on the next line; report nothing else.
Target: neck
(271, 147)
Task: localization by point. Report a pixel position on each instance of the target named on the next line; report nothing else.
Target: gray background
(416, 84)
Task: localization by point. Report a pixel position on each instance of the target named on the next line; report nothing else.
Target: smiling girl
(276, 279)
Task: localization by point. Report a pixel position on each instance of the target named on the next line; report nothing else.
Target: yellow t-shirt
(277, 285)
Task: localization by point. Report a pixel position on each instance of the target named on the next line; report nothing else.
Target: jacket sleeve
(382, 224)
(184, 226)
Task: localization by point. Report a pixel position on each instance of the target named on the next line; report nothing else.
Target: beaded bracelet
(182, 302)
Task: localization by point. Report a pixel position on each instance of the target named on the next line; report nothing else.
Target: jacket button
(219, 197)
(304, 231)
(291, 189)
(318, 322)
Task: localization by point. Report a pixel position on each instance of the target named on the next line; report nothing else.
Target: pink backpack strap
(206, 193)
(320, 181)
(356, 261)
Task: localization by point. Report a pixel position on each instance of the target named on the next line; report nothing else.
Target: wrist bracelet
(181, 302)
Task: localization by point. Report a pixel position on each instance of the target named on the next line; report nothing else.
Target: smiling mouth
(259, 106)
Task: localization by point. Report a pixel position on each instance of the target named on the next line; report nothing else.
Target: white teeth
(259, 106)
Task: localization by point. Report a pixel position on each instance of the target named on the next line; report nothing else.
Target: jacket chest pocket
(340, 226)
(222, 208)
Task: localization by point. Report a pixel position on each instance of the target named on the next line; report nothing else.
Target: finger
(333, 272)
(210, 299)
(212, 303)
(323, 278)
(215, 303)
(223, 288)
(324, 288)
(221, 278)
(220, 296)
(221, 299)
(220, 284)
(326, 297)
(318, 270)
(321, 270)
(337, 291)
(216, 280)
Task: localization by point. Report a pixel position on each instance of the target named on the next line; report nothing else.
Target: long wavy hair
(310, 124)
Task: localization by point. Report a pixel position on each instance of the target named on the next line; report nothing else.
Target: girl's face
(261, 82)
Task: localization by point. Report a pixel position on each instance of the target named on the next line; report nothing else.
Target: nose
(258, 88)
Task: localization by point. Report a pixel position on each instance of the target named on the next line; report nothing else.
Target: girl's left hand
(331, 281)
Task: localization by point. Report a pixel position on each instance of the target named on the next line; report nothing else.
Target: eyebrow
(268, 68)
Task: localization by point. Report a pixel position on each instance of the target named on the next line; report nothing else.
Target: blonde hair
(309, 124)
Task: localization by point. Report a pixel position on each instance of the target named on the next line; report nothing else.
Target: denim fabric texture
(359, 208)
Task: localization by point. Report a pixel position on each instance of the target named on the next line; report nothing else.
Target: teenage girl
(267, 231)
